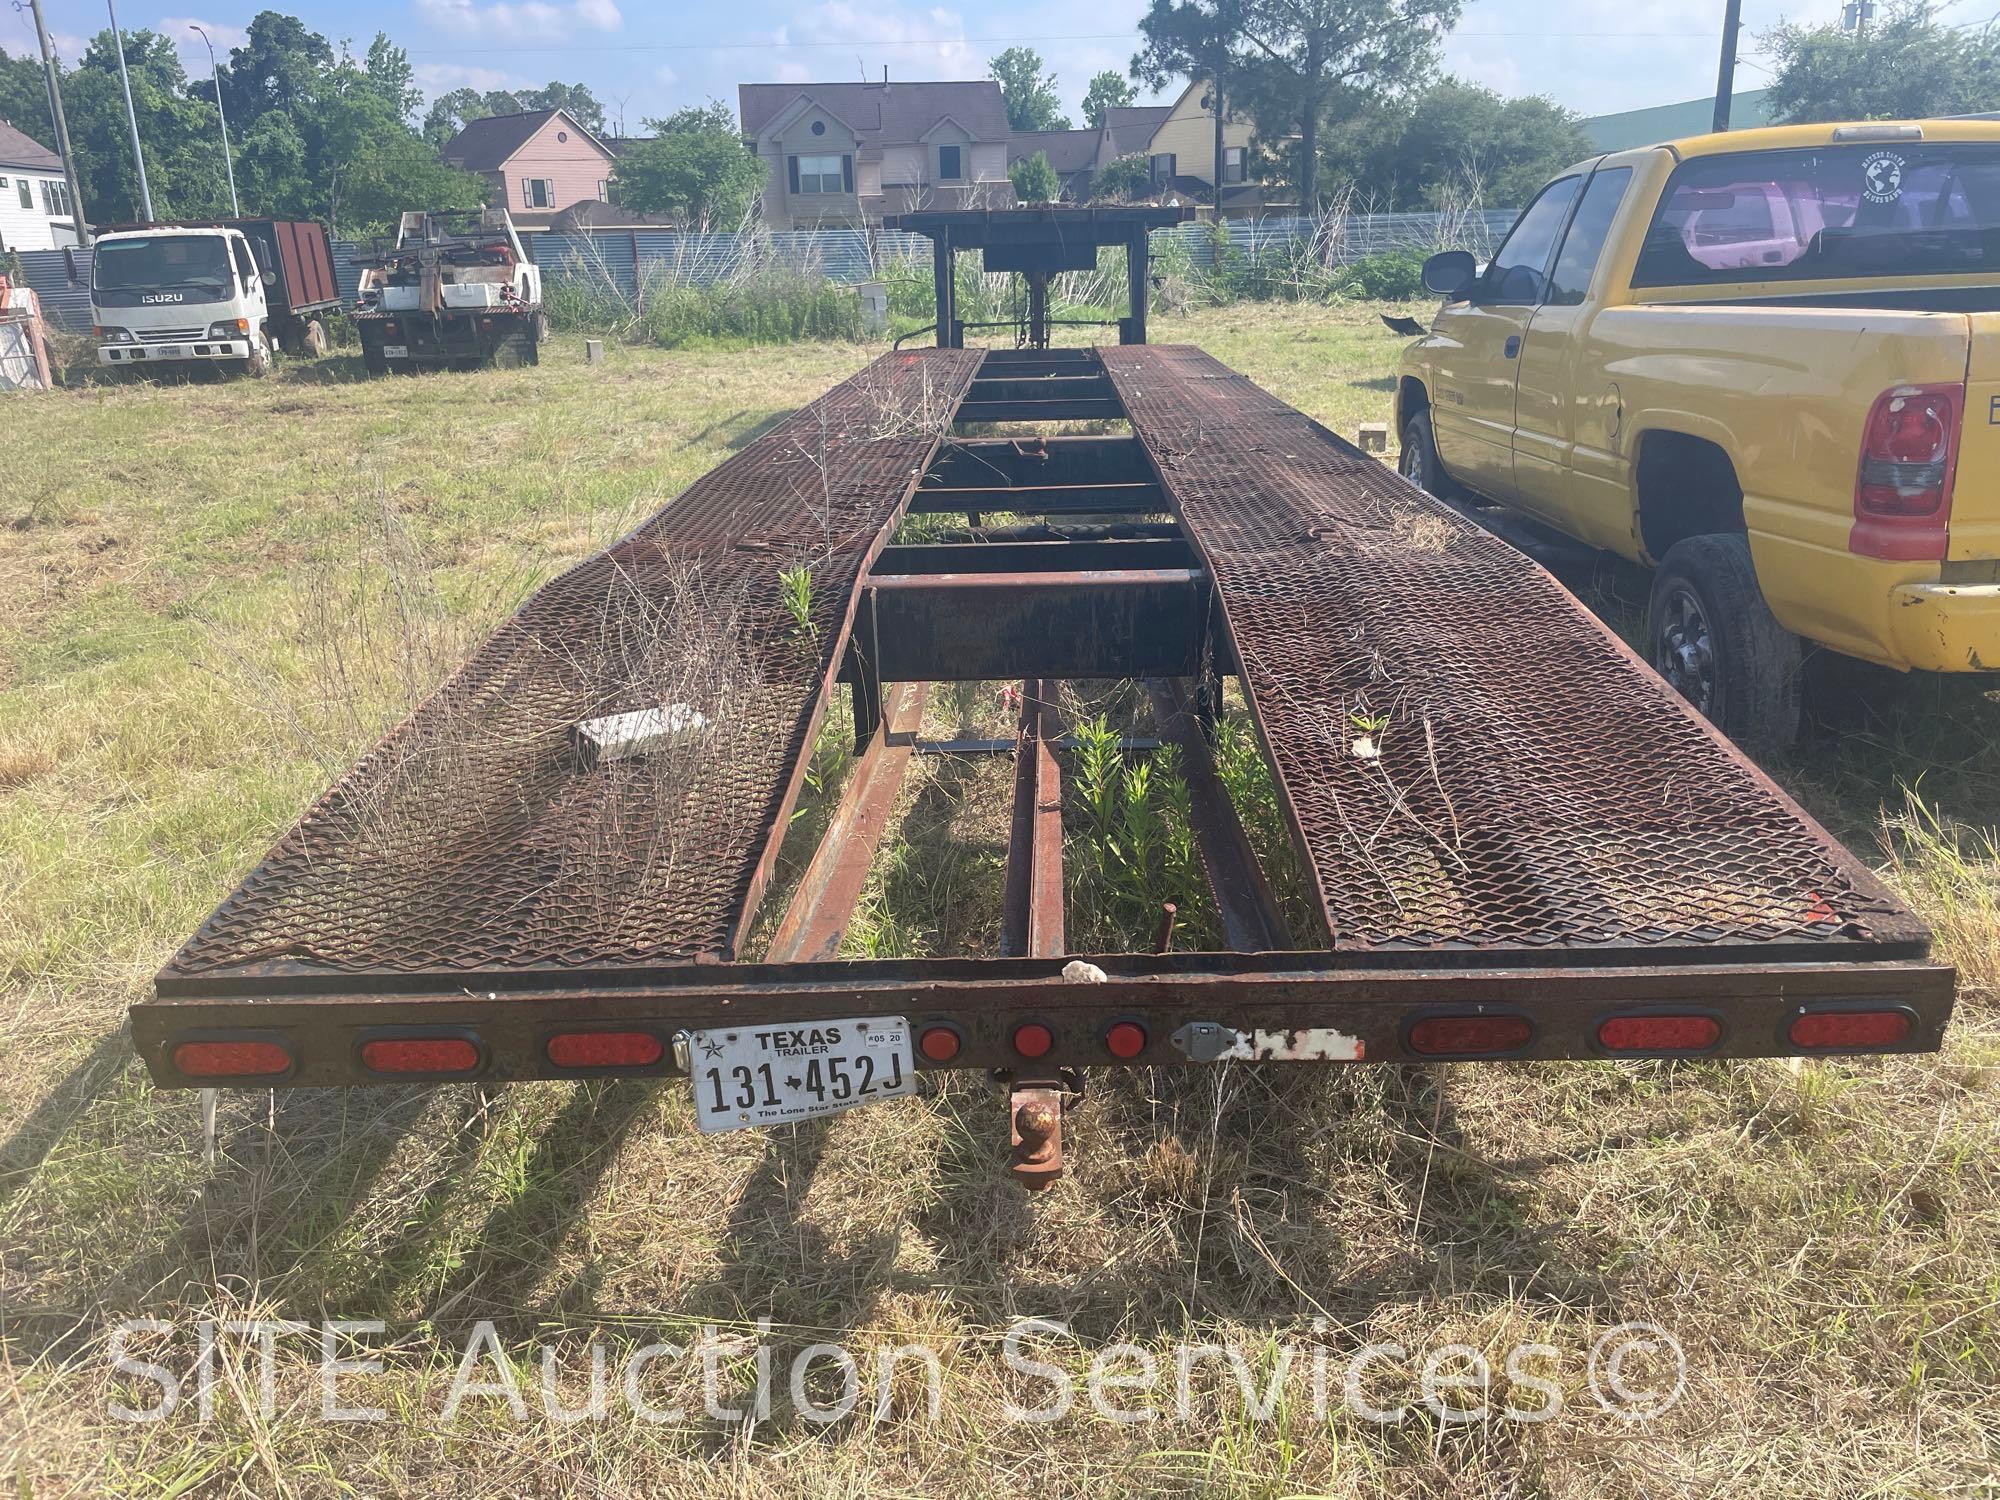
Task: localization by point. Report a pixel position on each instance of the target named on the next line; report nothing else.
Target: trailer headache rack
(1519, 842)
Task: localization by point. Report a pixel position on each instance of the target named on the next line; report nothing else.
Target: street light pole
(62, 126)
(235, 208)
(131, 115)
(1725, 79)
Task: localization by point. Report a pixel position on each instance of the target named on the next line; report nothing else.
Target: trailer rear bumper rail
(1753, 1007)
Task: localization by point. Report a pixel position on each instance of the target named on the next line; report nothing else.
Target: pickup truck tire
(314, 342)
(1419, 462)
(1714, 639)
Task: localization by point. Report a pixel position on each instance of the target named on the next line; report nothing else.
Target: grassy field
(218, 594)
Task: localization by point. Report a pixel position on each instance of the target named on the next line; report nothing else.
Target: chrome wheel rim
(1410, 464)
(1684, 649)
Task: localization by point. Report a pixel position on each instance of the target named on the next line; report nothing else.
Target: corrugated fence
(622, 258)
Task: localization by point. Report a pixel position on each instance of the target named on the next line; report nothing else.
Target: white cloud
(522, 20)
(194, 56)
(916, 44)
(442, 78)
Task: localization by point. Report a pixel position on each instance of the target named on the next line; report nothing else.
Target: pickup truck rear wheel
(1419, 463)
(1714, 639)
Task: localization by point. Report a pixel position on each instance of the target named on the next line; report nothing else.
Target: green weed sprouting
(1136, 850)
(795, 585)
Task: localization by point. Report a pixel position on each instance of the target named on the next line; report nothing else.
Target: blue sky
(646, 57)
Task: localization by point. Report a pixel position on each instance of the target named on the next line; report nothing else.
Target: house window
(1163, 168)
(818, 174)
(949, 168)
(1233, 163)
(55, 197)
(603, 190)
(27, 192)
(539, 192)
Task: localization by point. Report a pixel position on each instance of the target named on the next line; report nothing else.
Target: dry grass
(1821, 1239)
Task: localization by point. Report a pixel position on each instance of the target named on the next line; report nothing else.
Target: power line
(968, 41)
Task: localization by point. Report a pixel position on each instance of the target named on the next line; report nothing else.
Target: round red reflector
(1033, 1040)
(428, 1054)
(1851, 1028)
(1126, 1039)
(1445, 1036)
(938, 1043)
(605, 1049)
(1659, 1033)
(232, 1059)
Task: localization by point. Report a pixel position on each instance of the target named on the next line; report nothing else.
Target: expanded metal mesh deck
(1533, 786)
(473, 836)
(1525, 780)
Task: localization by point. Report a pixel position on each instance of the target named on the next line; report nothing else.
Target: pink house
(539, 162)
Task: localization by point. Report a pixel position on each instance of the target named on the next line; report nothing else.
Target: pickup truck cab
(1767, 364)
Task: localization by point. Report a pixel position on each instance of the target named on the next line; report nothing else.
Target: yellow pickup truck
(1766, 363)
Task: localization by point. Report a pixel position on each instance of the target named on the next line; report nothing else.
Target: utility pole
(1725, 78)
(62, 126)
(235, 208)
(131, 115)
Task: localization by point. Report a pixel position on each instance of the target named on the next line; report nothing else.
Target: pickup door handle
(1513, 346)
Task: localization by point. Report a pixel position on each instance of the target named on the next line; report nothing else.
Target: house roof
(1132, 125)
(20, 150)
(893, 114)
(1068, 150)
(488, 145)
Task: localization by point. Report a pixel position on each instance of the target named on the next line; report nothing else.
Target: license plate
(745, 1076)
(171, 351)
(395, 351)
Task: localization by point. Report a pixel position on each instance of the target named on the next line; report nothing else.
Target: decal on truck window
(1882, 177)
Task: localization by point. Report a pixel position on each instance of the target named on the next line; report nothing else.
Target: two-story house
(35, 212)
(538, 163)
(848, 153)
(1177, 140)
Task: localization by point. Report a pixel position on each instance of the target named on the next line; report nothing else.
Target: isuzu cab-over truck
(222, 292)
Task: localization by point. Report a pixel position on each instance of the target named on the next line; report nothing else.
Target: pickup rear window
(1886, 208)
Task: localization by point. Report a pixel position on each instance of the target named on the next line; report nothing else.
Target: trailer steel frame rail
(1518, 841)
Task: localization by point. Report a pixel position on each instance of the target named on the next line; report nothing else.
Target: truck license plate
(395, 351)
(745, 1076)
(170, 351)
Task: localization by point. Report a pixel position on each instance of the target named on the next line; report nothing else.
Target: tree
(1122, 180)
(1194, 39)
(1306, 56)
(452, 112)
(177, 133)
(1452, 137)
(1907, 66)
(584, 107)
(1108, 90)
(696, 166)
(24, 97)
(318, 132)
(1030, 93)
(1034, 180)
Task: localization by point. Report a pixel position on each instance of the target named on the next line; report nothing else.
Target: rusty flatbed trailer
(1518, 842)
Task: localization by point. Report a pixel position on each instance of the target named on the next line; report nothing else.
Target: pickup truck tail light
(1909, 458)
